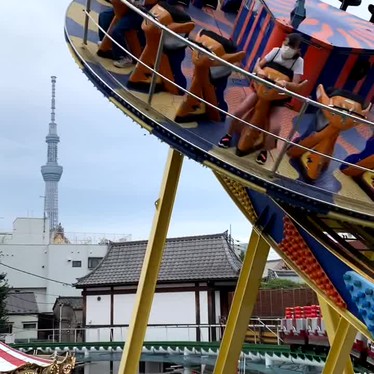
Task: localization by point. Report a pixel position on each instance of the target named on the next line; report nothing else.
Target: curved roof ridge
(177, 238)
(189, 258)
(232, 257)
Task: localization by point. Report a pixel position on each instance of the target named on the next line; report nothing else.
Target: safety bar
(307, 101)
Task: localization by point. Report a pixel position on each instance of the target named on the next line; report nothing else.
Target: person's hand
(261, 73)
(282, 83)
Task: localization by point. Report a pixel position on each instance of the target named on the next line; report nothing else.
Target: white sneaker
(99, 43)
(124, 62)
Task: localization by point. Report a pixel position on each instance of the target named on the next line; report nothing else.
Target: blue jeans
(131, 21)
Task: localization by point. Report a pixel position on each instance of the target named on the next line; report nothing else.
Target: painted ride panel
(302, 220)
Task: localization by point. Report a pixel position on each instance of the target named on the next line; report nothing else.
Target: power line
(36, 275)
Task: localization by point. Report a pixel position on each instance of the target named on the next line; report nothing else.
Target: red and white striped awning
(11, 359)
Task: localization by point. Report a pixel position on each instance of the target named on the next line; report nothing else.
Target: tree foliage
(4, 290)
(277, 283)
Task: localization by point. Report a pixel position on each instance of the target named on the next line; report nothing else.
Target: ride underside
(313, 199)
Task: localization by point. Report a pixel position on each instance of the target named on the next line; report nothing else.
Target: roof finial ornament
(347, 3)
(371, 10)
(298, 13)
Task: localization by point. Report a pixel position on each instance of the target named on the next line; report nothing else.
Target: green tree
(4, 290)
(277, 283)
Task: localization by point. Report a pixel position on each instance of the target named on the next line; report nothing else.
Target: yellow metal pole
(151, 266)
(242, 304)
(341, 335)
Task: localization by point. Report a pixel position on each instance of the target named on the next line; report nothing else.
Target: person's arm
(262, 62)
(298, 74)
(259, 67)
(295, 84)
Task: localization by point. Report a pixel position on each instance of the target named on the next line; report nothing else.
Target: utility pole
(61, 305)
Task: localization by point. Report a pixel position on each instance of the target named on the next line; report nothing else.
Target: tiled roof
(76, 302)
(21, 303)
(192, 258)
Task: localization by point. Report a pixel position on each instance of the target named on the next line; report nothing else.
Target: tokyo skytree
(51, 171)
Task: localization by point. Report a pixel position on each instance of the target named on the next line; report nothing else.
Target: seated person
(288, 56)
(130, 21)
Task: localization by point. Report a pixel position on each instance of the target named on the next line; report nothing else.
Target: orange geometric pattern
(295, 248)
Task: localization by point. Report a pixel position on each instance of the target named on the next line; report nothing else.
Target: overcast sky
(112, 168)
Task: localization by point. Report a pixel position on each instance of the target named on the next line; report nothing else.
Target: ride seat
(219, 76)
(175, 49)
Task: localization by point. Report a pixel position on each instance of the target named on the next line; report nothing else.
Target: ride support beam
(341, 335)
(242, 305)
(151, 265)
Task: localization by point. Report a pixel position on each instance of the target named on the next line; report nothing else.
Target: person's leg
(131, 21)
(243, 111)
(105, 19)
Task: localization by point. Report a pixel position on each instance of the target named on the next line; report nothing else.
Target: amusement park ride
(317, 187)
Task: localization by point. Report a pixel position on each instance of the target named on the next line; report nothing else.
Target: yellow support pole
(242, 305)
(341, 335)
(151, 266)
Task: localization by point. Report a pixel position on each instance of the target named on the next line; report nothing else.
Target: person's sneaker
(225, 141)
(262, 157)
(124, 62)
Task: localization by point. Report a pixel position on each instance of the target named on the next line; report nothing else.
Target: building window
(93, 262)
(7, 329)
(77, 264)
(29, 325)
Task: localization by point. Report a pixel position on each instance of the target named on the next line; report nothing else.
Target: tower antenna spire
(52, 171)
(53, 98)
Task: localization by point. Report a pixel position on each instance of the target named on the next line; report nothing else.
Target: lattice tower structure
(51, 171)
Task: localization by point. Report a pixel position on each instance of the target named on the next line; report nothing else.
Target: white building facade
(32, 264)
(196, 282)
(197, 278)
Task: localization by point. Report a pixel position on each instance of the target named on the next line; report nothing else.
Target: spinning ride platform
(323, 226)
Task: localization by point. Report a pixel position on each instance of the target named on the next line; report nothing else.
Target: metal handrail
(268, 328)
(307, 101)
(242, 71)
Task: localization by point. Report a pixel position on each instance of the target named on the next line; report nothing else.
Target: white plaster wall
(173, 307)
(30, 231)
(218, 306)
(123, 306)
(97, 313)
(18, 330)
(60, 260)
(27, 250)
(30, 258)
(203, 307)
(98, 310)
(204, 315)
(218, 313)
(167, 308)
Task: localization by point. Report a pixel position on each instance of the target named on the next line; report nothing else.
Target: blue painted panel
(368, 85)
(255, 35)
(240, 22)
(260, 53)
(362, 294)
(332, 69)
